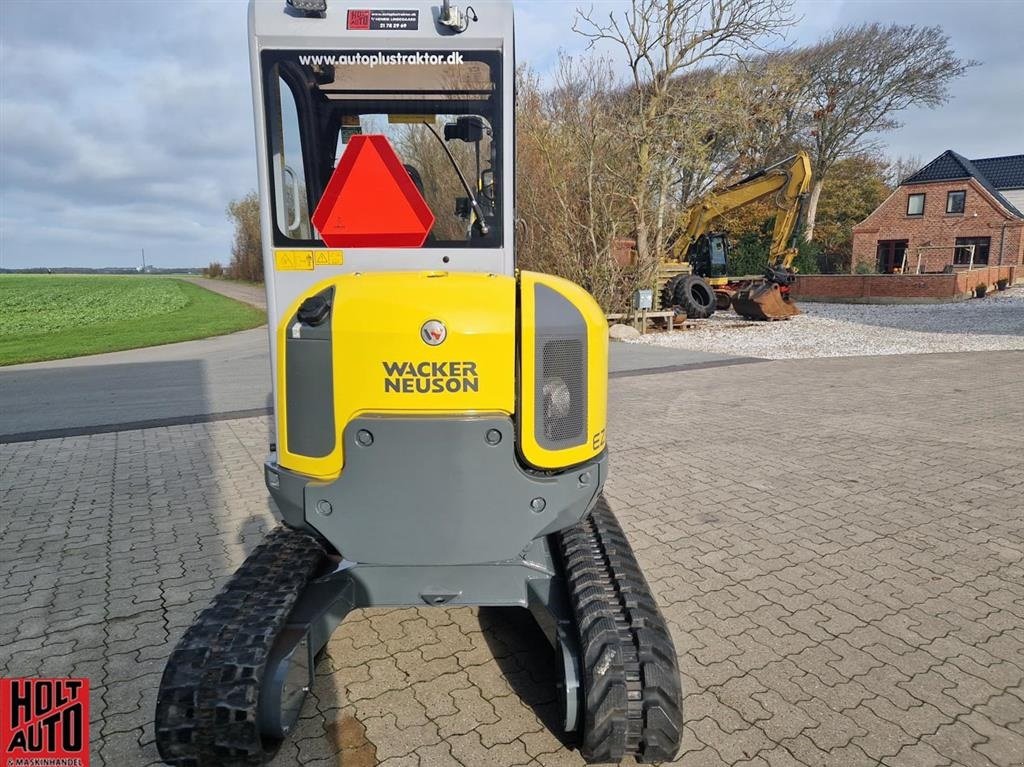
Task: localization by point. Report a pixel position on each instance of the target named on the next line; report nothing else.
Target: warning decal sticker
(44, 722)
(389, 19)
(304, 261)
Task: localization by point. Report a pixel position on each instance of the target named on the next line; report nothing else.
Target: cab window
(440, 112)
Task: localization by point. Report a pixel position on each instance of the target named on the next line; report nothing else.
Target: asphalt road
(158, 385)
(211, 379)
(207, 380)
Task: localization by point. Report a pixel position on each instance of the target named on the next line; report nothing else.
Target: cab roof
(275, 24)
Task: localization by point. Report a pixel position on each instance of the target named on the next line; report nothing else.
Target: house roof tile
(1003, 172)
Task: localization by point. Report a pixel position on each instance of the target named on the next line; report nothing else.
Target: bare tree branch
(860, 79)
(663, 40)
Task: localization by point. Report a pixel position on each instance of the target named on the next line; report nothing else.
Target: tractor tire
(696, 297)
(668, 292)
(632, 694)
(208, 701)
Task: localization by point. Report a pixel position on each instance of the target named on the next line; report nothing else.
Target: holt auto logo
(433, 332)
(44, 722)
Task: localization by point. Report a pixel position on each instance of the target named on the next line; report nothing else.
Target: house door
(890, 255)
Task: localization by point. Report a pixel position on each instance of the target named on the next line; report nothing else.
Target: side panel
(560, 355)
(309, 370)
(563, 359)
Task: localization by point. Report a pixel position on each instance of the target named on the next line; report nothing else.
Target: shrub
(808, 258)
(214, 270)
(749, 255)
(863, 268)
(246, 252)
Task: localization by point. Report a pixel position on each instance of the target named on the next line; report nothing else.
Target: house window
(955, 201)
(962, 254)
(915, 205)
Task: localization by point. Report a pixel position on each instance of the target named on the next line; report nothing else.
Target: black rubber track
(632, 695)
(206, 709)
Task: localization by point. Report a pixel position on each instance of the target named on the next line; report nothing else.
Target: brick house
(935, 214)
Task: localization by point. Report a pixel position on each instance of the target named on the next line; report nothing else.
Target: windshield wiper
(479, 211)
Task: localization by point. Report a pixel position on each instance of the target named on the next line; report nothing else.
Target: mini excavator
(439, 414)
(709, 285)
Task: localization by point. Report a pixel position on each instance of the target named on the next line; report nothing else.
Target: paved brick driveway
(846, 590)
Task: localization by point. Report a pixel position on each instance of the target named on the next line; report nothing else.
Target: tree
(902, 168)
(246, 251)
(568, 171)
(748, 253)
(575, 173)
(662, 40)
(737, 119)
(859, 79)
(854, 188)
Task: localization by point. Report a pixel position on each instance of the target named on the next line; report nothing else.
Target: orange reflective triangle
(370, 201)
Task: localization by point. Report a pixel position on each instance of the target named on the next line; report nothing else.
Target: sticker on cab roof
(383, 19)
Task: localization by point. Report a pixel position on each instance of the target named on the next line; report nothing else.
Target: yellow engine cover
(378, 354)
(382, 364)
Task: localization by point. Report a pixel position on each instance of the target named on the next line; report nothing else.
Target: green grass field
(45, 317)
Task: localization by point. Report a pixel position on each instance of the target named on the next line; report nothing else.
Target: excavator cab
(439, 415)
(709, 256)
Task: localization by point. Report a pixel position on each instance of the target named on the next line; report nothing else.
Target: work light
(309, 7)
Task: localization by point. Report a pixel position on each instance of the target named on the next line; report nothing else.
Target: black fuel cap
(314, 310)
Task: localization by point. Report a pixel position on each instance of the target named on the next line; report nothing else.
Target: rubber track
(632, 692)
(206, 710)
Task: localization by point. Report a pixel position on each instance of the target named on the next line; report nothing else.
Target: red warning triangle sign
(371, 201)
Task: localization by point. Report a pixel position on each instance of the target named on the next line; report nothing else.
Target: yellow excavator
(709, 285)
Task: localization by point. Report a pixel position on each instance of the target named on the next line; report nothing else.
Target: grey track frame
(535, 582)
(414, 525)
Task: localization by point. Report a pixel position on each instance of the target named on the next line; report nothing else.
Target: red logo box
(44, 719)
(358, 20)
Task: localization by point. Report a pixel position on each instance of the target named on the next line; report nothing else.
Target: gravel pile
(851, 330)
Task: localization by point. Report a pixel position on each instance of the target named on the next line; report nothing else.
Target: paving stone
(837, 612)
(1001, 744)
(958, 743)
(917, 755)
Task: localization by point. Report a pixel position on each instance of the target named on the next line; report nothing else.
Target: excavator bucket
(764, 301)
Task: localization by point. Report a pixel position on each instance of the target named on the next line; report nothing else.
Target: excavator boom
(789, 181)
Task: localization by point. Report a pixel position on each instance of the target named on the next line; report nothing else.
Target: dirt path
(245, 292)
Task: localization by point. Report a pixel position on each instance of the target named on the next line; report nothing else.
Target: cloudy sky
(126, 124)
